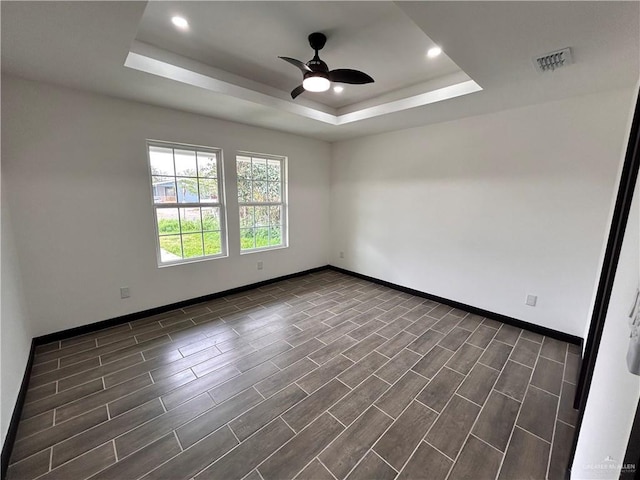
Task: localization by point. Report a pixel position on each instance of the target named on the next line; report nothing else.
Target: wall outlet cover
(531, 300)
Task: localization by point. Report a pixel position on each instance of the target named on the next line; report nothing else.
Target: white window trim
(221, 204)
(284, 200)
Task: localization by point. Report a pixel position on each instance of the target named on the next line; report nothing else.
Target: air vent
(551, 61)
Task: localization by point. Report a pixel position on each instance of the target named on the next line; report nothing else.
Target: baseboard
(112, 322)
(12, 431)
(547, 332)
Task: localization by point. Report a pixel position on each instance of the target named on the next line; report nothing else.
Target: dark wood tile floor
(324, 376)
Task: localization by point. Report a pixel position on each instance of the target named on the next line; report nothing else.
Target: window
(187, 202)
(261, 198)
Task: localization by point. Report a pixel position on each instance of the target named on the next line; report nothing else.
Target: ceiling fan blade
(346, 75)
(297, 91)
(297, 63)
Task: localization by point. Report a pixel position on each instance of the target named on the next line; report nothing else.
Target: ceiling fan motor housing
(317, 40)
(317, 65)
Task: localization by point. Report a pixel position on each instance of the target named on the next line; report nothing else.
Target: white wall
(487, 209)
(614, 392)
(15, 327)
(77, 176)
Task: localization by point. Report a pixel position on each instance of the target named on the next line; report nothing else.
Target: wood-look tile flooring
(323, 376)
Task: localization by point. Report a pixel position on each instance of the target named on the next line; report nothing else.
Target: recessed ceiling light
(434, 52)
(180, 22)
(338, 89)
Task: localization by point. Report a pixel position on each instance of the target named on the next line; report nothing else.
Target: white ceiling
(375, 37)
(85, 45)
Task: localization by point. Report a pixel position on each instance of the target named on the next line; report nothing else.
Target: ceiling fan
(316, 76)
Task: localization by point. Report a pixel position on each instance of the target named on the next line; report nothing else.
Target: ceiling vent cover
(550, 61)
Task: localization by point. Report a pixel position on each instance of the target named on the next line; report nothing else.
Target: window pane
(207, 166)
(246, 217)
(275, 236)
(190, 220)
(247, 239)
(244, 190)
(211, 218)
(243, 166)
(259, 170)
(262, 216)
(167, 221)
(170, 248)
(275, 216)
(192, 245)
(208, 190)
(260, 181)
(259, 192)
(274, 192)
(187, 190)
(185, 163)
(164, 189)
(262, 237)
(212, 243)
(161, 160)
(273, 171)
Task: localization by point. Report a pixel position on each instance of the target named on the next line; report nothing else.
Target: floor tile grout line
(327, 468)
(550, 359)
(115, 452)
(123, 412)
(435, 448)
(228, 424)
(138, 426)
(38, 356)
(414, 398)
(533, 434)
(547, 391)
(76, 457)
(393, 421)
(487, 443)
(566, 423)
(337, 436)
(334, 417)
(515, 422)
(182, 424)
(475, 421)
(109, 418)
(169, 343)
(555, 423)
(100, 376)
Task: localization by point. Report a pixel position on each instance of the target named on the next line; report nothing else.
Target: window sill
(191, 260)
(263, 249)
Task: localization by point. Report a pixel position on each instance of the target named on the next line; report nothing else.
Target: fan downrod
(317, 40)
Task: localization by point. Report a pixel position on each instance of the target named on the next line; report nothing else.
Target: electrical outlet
(124, 292)
(341, 254)
(260, 265)
(531, 300)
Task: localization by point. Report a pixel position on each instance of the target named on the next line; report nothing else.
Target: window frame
(283, 203)
(220, 204)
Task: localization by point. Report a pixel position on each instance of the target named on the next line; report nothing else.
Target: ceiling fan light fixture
(316, 83)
